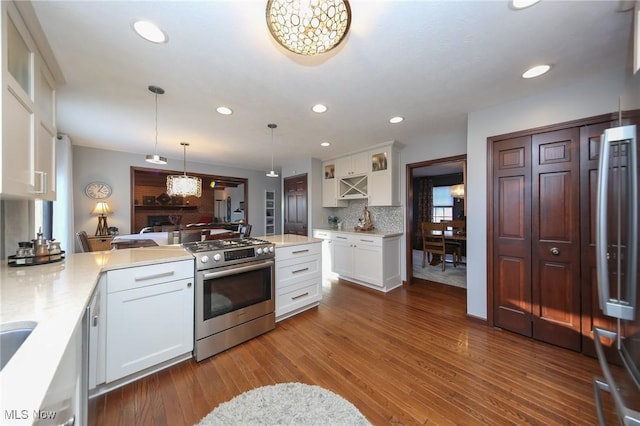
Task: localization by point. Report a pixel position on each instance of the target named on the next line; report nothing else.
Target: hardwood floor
(407, 357)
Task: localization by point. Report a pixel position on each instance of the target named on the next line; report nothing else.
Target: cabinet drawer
(290, 252)
(142, 276)
(291, 271)
(298, 295)
(368, 240)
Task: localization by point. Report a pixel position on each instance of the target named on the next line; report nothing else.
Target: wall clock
(98, 190)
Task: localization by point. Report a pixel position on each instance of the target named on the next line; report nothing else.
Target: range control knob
(271, 249)
(259, 250)
(204, 259)
(217, 257)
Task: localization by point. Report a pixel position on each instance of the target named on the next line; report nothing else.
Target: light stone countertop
(284, 240)
(374, 233)
(55, 296)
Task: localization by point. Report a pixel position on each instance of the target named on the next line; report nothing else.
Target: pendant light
(272, 173)
(155, 158)
(184, 185)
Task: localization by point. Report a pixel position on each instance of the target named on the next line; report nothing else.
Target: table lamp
(102, 209)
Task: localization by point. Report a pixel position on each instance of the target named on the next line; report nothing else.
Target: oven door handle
(236, 270)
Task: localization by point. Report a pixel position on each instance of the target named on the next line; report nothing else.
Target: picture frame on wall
(329, 171)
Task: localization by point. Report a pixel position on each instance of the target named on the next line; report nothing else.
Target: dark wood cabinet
(542, 273)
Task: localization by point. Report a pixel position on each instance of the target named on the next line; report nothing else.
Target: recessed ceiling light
(522, 4)
(396, 120)
(224, 110)
(325, 144)
(536, 71)
(319, 108)
(149, 31)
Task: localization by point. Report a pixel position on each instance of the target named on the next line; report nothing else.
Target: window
(442, 204)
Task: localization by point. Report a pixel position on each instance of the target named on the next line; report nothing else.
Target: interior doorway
(441, 173)
(295, 205)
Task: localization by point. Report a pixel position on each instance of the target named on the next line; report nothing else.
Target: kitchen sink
(12, 336)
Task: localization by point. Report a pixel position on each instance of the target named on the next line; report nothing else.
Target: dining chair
(455, 247)
(433, 243)
(83, 241)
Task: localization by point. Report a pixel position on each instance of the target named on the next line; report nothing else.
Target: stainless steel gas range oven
(235, 290)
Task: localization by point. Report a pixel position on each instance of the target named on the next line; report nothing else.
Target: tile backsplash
(385, 219)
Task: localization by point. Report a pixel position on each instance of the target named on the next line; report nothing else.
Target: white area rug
(286, 404)
(453, 276)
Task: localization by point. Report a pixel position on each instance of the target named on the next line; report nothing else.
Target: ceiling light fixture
(272, 173)
(522, 4)
(155, 158)
(325, 144)
(184, 185)
(150, 31)
(396, 120)
(308, 27)
(536, 71)
(457, 191)
(319, 108)
(224, 110)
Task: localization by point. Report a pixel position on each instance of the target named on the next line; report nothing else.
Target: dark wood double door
(542, 274)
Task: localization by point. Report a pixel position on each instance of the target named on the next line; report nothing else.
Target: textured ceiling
(429, 61)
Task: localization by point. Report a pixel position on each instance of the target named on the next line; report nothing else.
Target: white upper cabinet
(27, 155)
(372, 174)
(384, 176)
(356, 164)
(330, 186)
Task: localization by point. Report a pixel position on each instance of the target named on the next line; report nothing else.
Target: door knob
(554, 251)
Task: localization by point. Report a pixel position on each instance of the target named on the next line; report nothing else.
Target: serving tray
(35, 260)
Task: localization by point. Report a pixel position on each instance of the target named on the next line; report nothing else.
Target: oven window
(237, 291)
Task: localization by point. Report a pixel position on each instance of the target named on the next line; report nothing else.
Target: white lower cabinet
(149, 316)
(298, 278)
(65, 400)
(370, 260)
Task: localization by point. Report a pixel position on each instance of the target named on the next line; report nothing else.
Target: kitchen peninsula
(298, 273)
(55, 297)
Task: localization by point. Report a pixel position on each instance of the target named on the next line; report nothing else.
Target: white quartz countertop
(55, 295)
(375, 232)
(283, 240)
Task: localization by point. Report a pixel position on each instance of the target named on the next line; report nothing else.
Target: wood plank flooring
(407, 357)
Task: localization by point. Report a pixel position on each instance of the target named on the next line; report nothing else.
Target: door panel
(295, 205)
(512, 235)
(556, 238)
(591, 314)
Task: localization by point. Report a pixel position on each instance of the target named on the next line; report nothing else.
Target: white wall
(113, 167)
(583, 99)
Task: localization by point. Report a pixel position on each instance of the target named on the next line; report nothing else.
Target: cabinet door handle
(43, 182)
(299, 270)
(300, 296)
(189, 284)
(554, 251)
(300, 251)
(341, 238)
(95, 320)
(367, 241)
(153, 276)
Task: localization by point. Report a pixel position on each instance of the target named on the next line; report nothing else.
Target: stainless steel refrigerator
(617, 272)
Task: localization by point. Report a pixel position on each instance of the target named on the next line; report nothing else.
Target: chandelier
(184, 185)
(457, 191)
(308, 27)
(155, 158)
